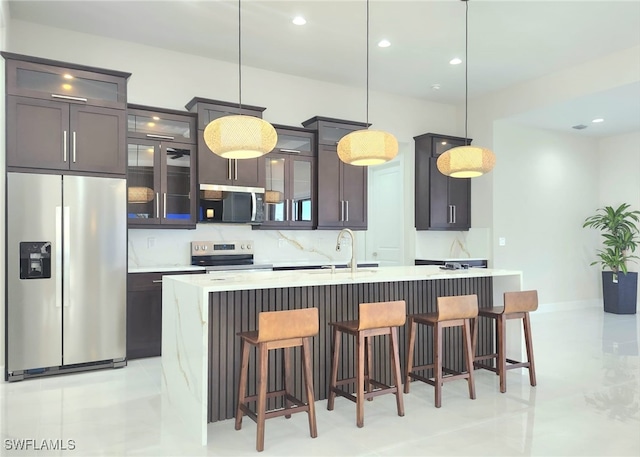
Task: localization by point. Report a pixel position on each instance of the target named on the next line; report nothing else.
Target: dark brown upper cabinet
(441, 202)
(213, 169)
(64, 116)
(342, 188)
(161, 176)
(290, 196)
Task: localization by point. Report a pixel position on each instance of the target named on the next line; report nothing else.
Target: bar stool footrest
(484, 367)
(299, 407)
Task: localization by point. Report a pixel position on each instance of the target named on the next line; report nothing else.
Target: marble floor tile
(586, 403)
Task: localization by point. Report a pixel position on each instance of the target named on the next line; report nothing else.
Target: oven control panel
(201, 248)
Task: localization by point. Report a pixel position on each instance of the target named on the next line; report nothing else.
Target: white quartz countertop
(165, 268)
(316, 264)
(226, 281)
(277, 264)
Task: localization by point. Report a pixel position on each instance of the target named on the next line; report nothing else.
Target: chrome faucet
(352, 264)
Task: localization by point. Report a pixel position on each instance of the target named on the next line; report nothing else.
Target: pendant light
(466, 161)
(272, 196)
(367, 147)
(240, 136)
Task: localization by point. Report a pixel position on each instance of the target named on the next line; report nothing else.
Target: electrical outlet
(151, 242)
(502, 241)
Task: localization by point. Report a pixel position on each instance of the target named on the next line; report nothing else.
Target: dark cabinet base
(144, 313)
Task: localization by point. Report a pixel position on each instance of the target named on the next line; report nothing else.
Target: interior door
(95, 269)
(384, 237)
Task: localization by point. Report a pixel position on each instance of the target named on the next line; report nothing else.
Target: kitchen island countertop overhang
(202, 313)
(227, 281)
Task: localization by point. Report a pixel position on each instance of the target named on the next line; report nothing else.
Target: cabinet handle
(454, 213)
(292, 151)
(341, 210)
(229, 169)
(155, 281)
(450, 218)
(157, 204)
(235, 168)
(160, 137)
(74, 147)
(286, 209)
(64, 146)
(69, 97)
(164, 204)
(347, 205)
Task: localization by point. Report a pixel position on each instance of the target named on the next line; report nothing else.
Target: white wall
(619, 165)
(546, 185)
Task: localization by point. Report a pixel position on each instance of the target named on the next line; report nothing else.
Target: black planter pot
(620, 292)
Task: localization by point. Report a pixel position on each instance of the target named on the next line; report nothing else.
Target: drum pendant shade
(367, 147)
(240, 137)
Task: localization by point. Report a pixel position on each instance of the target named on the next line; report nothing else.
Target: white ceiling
(510, 42)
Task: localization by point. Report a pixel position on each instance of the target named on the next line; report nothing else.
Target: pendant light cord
(466, 70)
(367, 117)
(239, 56)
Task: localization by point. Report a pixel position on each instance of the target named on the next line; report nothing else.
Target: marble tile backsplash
(148, 247)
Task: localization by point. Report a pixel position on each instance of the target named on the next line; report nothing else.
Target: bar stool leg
(308, 381)
(437, 349)
(337, 336)
(468, 352)
(395, 360)
(526, 322)
(261, 405)
(360, 380)
(369, 366)
(502, 351)
(409, 361)
(242, 388)
(288, 384)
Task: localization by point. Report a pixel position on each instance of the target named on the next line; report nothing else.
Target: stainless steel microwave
(234, 204)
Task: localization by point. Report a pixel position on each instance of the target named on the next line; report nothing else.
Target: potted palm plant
(620, 232)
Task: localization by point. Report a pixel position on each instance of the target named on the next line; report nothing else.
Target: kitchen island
(203, 313)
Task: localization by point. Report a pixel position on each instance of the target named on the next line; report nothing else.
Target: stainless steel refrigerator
(66, 274)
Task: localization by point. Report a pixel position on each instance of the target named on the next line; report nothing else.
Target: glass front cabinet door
(161, 169)
(289, 185)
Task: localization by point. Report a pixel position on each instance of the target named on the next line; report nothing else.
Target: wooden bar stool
(374, 319)
(517, 305)
(457, 311)
(278, 330)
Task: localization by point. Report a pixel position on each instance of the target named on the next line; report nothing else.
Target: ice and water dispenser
(35, 259)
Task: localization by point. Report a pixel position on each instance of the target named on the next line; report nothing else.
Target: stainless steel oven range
(225, 256)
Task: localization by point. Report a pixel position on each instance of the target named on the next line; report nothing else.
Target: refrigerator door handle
(58, 254)
(66, 256)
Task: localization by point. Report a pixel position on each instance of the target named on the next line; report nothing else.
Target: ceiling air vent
(579, 127)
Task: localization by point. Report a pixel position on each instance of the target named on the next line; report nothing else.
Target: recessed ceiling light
(455, 61)
(595, 121)
(435, 86)
(299, 20)
(384, 43)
